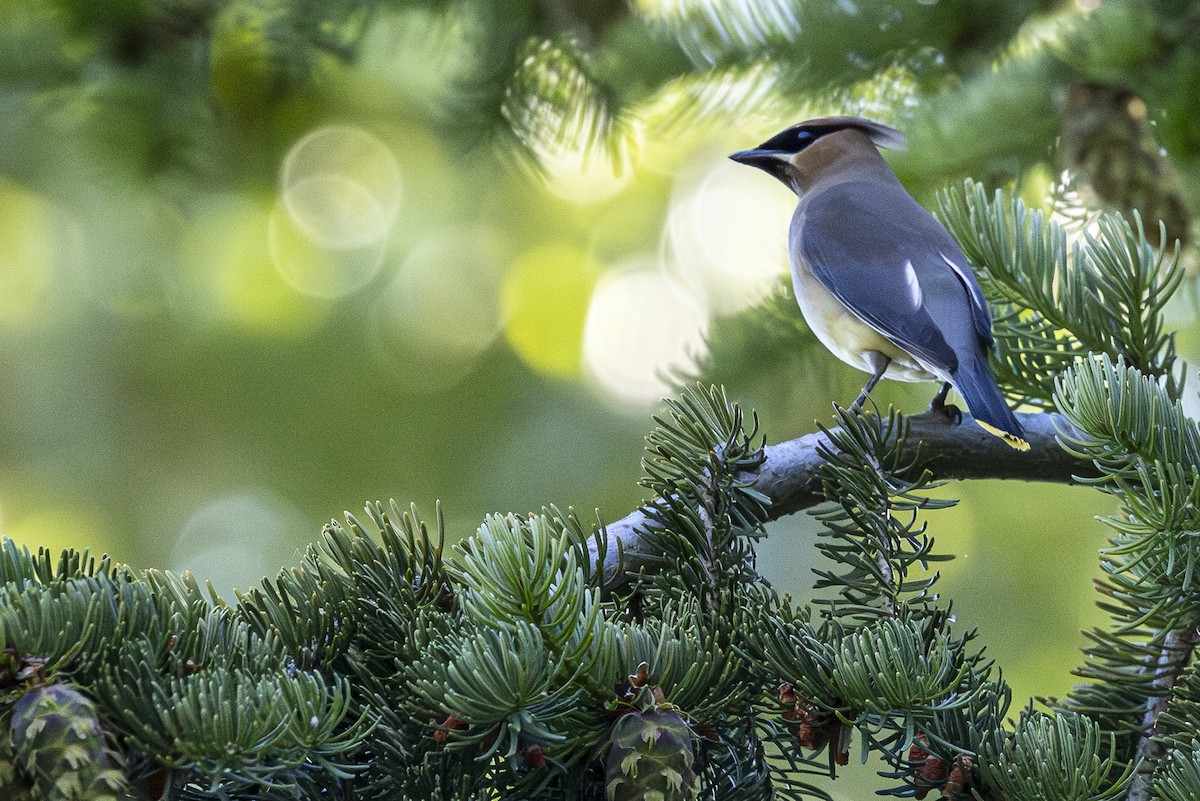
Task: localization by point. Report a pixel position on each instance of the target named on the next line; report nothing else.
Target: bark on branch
(949, 450)
(1178, 647)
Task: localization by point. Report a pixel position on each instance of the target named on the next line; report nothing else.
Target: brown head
(823, 148)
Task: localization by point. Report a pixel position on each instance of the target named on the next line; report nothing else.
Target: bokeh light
(336, 211)
(642, 325)
(240, 537)
(224, 272)
(545, 299)
(26, 252)
(726, 234)
(55, 526)
(341, 186)
(339, 191)
(584, 176)
(312, 269)
(442, 310)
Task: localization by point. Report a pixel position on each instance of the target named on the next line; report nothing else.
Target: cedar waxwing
(880, 282)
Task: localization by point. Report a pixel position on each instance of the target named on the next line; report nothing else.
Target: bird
(879, 280)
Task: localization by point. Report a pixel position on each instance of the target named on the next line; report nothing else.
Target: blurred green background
(263, 261)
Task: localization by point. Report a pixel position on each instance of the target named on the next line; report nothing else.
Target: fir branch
(1148, 451)
(518, 573)
(825, 44)
(872, 538)
(1178, 649)
(1053, 758)
(705, 516)
(552, 103)
(18, 565)
(790, 475)
(1179, 780)
(1057, 302)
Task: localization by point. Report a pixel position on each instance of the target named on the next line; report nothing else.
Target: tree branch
(1178, 646)
(790, 475)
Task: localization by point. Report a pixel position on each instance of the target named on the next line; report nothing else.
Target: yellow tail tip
(1012, 440)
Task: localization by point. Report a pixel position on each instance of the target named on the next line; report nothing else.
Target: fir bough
(1054, 302)
(523, 664)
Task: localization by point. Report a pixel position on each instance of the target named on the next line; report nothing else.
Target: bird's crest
(800, 136)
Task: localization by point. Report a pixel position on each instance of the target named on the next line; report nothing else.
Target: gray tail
(974, 381)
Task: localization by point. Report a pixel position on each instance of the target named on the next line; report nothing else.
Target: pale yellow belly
(847, 336)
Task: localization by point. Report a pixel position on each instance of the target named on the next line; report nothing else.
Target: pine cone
(929, 770)
(1108, 146)
(651, 758)
(60, 747)
(11, 785)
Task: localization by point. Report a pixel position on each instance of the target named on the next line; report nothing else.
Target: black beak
(759, 157)
(745, 156)
(775, 163)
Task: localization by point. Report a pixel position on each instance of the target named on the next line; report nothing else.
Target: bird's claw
(950, 410)
(939, 400)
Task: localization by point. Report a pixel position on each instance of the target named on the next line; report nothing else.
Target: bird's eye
(804, 137)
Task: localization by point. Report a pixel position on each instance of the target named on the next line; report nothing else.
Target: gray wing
(892, 264)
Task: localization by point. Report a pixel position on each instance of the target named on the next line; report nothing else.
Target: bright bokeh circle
(341, 186)
(726, 235)
(442, 310)
(544, 301)
(642, 326)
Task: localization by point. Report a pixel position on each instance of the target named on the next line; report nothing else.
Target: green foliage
(1126, 419)
(528, 571)
(1105, 293)
(1176, 731)
(705, 516)
(873, 534)
(878, 34)
(234, 728)
(1080, 329)
(1137, 434)
(376, 665)
(1180, 780)
(529, 668)
(184, 684)
(541, 78)
(1054, 758)
(519, 667)
(883, 661)
(515, 666)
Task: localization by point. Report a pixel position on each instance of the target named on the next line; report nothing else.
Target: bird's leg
(879, 363)
(938, 404)
(939, 400)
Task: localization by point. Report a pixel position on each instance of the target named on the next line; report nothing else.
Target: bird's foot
(939, 400)
(952, 412)
(939, 406)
